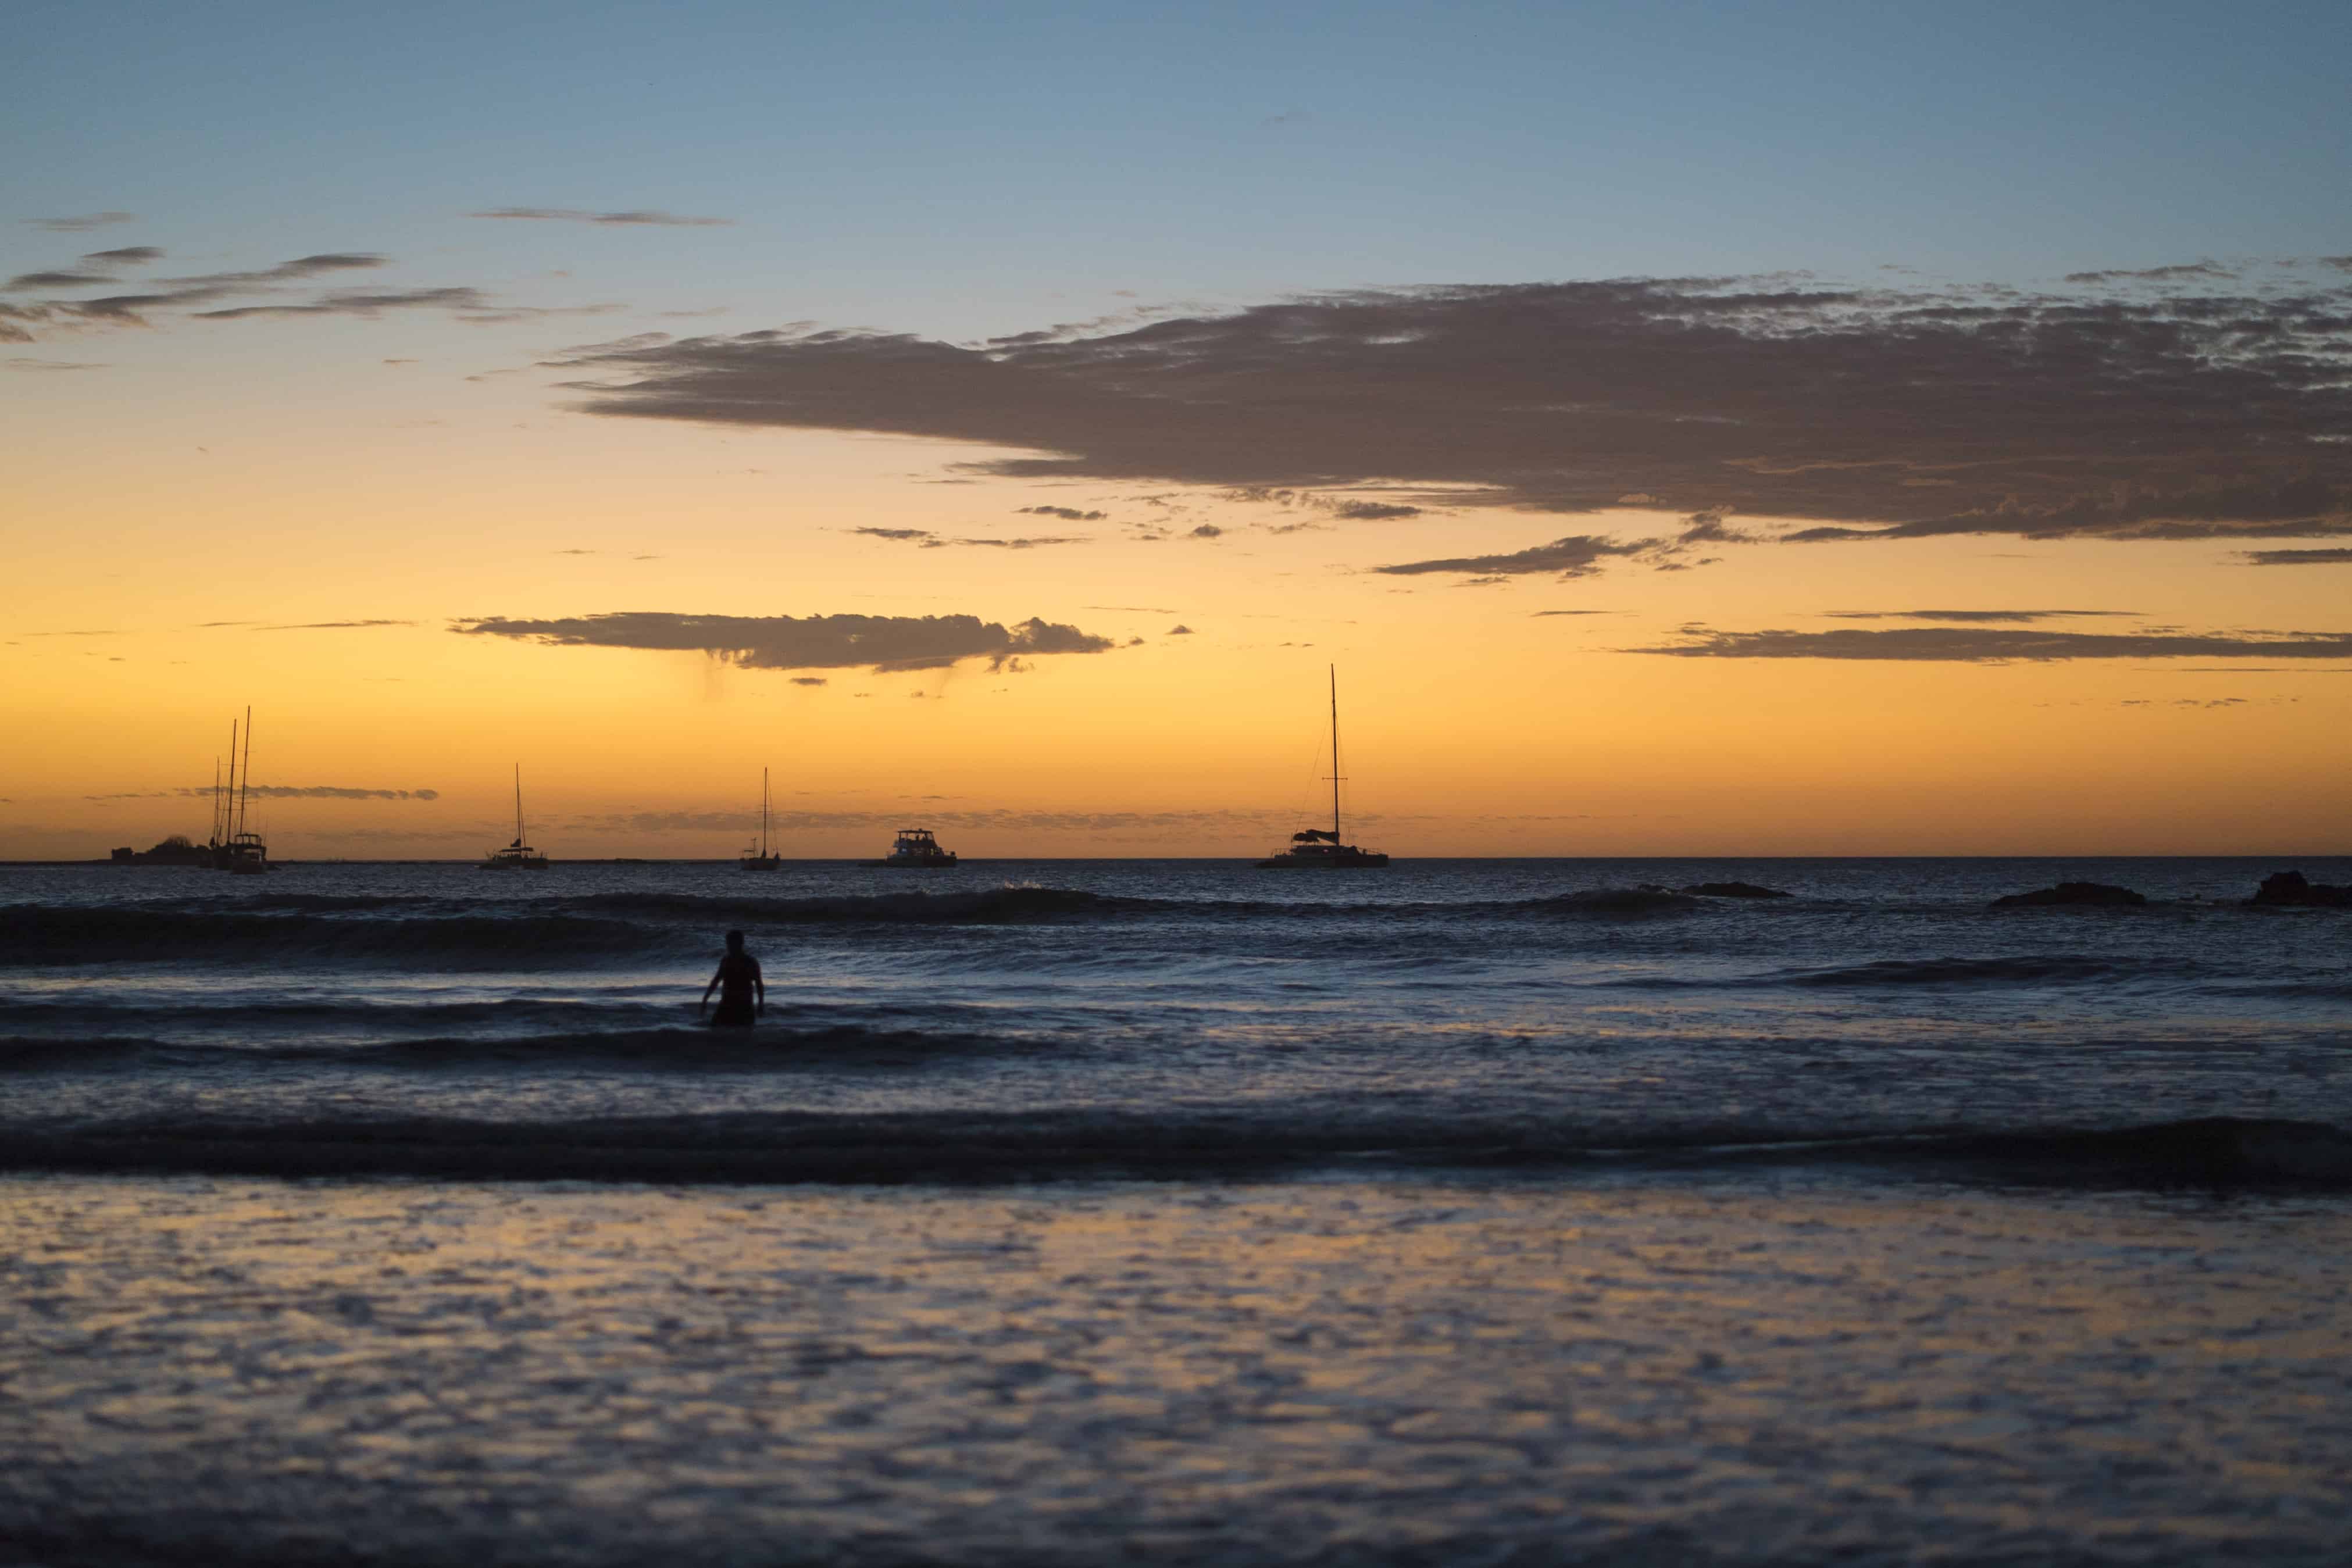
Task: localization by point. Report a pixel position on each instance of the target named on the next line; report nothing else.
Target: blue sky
(954, 168)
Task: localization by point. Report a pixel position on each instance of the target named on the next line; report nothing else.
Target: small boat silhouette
(1313, 848)
(518, 855)
(758, 859)
(915, 849)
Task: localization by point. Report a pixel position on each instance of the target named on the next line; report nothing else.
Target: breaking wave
(2033, 969)
(982, 1148)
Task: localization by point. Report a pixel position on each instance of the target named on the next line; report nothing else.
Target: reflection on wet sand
(1373, 1369)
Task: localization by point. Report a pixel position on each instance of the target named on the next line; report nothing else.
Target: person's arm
(715, 974)
(759, 984)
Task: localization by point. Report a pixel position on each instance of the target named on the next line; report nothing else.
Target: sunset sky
(1805, 429)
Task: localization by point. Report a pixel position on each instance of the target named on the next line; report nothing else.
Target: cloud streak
(2296, 557)
(636, 219)
(280, 793)
(1969, 617)
(182, 296)
(926, 540)
(2103, 410)
(1956, 644)
(881, 643)
(82, 223)
(1582, 555)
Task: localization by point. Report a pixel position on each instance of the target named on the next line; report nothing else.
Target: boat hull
(1350, 859)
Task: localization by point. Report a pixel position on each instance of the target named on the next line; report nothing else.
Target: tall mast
(228, 801)
(518, 802)
(246, 783)
(764, 813)
(216, 834)
(1335, 754)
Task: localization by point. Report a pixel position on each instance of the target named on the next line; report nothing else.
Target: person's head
(734, 941)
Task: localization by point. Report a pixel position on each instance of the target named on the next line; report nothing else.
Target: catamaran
(915, 849)
(518, 855)
(1312, 849)
(758, 859)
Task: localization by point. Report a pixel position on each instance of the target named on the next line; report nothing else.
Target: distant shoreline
(2280, 857)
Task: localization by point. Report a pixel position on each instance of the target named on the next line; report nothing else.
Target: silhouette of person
(738, 974)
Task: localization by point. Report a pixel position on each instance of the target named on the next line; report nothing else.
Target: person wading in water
(739, 973)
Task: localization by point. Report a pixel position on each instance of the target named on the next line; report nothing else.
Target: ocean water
(1466, 1211)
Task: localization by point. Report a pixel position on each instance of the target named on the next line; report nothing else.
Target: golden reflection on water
(1201, 1369)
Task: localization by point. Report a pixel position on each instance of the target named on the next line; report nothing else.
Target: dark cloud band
(2110, 410)
(804, 643)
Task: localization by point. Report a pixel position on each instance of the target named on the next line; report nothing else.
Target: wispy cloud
(1952, 644)
(639, 218)
(2180, 272)
(804, 643)
(2108, 408)
(926, 540)
(44, 367)
(1577, 555)
(2296, 557)
(329, 625)
(1583, 555)
(1988, 617)
(83, 222)
(182, 297)
(280, 793)
(1067, 513)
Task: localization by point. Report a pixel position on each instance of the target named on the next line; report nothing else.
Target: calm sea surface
(1466, 1211)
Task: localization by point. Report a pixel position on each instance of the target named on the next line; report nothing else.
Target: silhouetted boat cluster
(235, 846)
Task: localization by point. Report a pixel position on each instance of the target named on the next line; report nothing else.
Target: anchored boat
(235, 847)
(1312, 849)
(916, 850)
(518, 855)
(758, 859)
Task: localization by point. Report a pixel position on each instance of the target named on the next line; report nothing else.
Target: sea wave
(1007, 903)
(313, 928)
(680, 1047)
(2025, 969)
(973, 1148)
(85, 934)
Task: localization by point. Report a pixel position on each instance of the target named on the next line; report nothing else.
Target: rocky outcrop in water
(2095, 894)
(2289, 887)
(1732, 890)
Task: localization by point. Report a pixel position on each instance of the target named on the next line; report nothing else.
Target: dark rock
(1734, 890)
(2092, 893)
(2289, 887)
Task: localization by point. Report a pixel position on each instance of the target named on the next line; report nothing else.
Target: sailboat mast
(764, 813)
(246, 783)
(518, 802)
(1335, 753)
(215, 833)
(228, 801)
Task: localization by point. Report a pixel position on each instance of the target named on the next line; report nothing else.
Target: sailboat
(234, 848)
(758, 859)
(518, 855)
(1312, 849)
